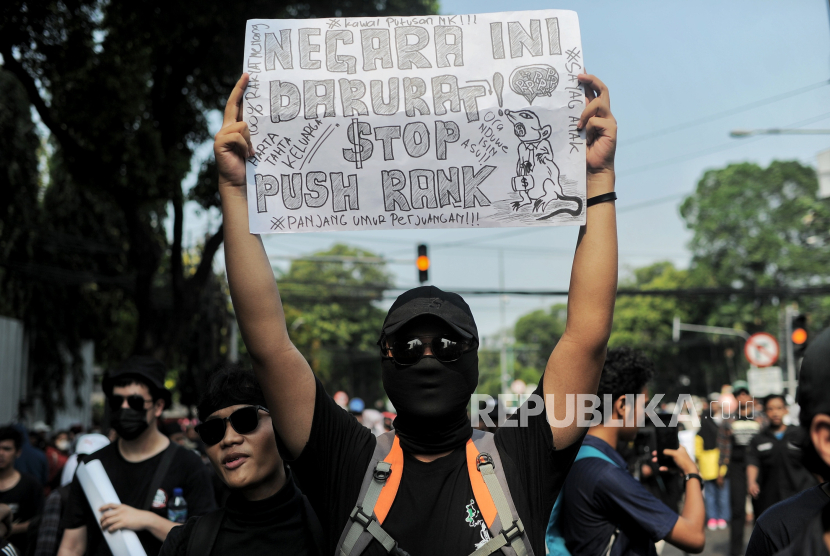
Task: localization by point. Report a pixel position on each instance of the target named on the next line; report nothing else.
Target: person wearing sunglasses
(429, 362)
(143, 466)
(265, 511)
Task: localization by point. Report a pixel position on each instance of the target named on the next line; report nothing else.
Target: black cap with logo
(429, 300)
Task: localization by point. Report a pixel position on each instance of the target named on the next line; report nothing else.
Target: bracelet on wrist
(604, 198)
(693, 476)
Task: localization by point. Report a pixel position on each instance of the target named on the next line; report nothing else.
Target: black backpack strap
(204, 532)
(315, 530)
(158, 476)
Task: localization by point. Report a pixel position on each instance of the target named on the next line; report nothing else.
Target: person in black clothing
(429, 360)
(734, 437)
(774, 468)
(265, 511)
(800, 525)
(20, 491)
(136, 395)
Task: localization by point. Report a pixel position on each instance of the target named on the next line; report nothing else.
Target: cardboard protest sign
(436, 121)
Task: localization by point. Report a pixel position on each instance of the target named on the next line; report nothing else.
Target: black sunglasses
(135, 401)
(408, 351)
(244, 420)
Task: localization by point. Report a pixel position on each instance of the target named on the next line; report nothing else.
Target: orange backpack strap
(380, 485)
(492, 495)
(485, 502)
(390, 489)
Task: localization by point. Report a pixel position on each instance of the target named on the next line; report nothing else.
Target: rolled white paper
(99, 491)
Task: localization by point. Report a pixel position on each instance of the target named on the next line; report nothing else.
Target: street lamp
(777, 131)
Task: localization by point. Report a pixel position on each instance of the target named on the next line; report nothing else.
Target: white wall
(13, 364)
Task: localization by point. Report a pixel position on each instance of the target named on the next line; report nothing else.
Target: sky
(681, 75)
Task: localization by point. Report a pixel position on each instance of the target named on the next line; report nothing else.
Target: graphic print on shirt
(474, 519)
(160, 499)
(743, 431)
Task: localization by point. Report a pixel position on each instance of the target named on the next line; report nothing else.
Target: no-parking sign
(761, 350)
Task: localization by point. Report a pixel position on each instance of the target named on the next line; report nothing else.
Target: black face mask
(431, 400)
(129, 423)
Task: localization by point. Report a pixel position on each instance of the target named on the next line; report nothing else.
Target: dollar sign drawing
(361, 149)
(524, 182)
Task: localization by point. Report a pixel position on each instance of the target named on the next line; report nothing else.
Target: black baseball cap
(429, 300)
(146, 369)
(813, 394)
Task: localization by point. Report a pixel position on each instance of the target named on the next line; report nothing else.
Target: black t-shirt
(131, 482)
(26, 500)
(743, 430)
(810, 543)
(274, 525)
(781, 473)
(434, 511)
(786, 521)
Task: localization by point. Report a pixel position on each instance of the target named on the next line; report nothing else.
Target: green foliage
(124, 89)
(644, 322)
(536, 334)
(752, 227)
(647, 320)
(332, 319)
(758, 226)
(19, 185)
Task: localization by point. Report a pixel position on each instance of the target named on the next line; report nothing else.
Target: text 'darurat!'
(465, 121)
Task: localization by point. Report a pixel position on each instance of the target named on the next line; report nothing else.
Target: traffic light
(799, 334)
(422, 262)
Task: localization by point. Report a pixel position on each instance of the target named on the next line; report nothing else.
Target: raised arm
(286, 378)
(575, 365)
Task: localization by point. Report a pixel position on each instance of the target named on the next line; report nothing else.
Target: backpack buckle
(360, 517)
(483, 459)
(516, 530)
(382, 471)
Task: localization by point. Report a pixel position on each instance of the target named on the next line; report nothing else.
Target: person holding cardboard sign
(433, 485)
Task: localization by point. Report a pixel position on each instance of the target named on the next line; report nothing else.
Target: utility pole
(790, 312)
(505, 376)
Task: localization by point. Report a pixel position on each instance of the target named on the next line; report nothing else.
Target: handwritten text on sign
(439, 122)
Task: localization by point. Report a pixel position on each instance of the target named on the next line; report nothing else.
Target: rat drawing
(537, 175)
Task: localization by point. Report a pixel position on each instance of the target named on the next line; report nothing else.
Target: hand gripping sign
(435, 121)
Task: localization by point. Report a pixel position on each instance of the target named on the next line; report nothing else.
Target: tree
(644, 322)
(331, 317)
(536, 334)
(19, 187)
(759, 227)
(124, 88)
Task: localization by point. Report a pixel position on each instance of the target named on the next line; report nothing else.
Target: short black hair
(626, 371)
(775, 397)
(123, 381)
(11, 433)
(230, 385)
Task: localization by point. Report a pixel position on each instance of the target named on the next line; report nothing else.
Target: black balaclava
(129, 423)
(431, 400)
(431, 397)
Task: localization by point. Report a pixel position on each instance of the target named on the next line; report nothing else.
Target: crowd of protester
(275, 464)
(607, 499)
